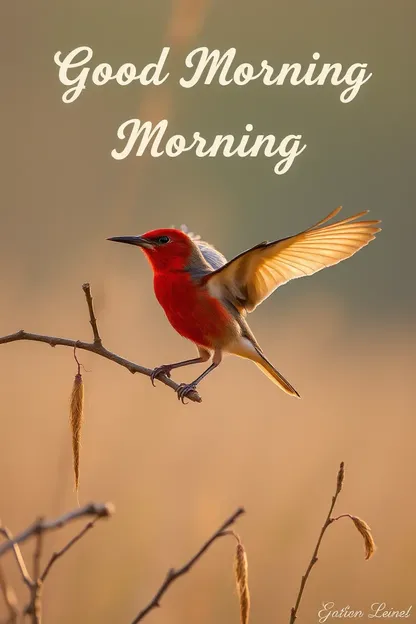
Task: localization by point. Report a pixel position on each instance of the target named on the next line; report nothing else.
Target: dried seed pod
(365, 531)
(340, 477)
(76, 418)
(241, 577)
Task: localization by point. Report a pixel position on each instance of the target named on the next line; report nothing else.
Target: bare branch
(43, 526)
(10, 598)
(314, 559)
(59, 553)
(38, 529)
(172, 575)
(95, 347)
(34, 607)
(37, 553)
(17, 554)
(87, 290)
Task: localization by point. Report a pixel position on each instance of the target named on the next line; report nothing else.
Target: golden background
(345, 338)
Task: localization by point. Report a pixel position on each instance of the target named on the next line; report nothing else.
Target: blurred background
(345, 338)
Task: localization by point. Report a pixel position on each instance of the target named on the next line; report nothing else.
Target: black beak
(139, 241)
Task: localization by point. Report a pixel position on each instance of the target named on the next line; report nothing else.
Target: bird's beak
(139, 241)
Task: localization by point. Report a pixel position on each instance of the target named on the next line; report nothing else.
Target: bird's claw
(184, 390)
(159, 370)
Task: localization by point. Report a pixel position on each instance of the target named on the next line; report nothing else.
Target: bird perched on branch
(206, 299)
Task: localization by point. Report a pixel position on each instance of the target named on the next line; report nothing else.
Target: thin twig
(10, 598)
(59, 553)
(93, 509)
(87, 290)
(34, 608)
(95, 347)
(314, 559)
(37, 553)
(10, 543)
(172, 575)
(38, 529)
(344, 515)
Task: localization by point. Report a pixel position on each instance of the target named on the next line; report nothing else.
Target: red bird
(206, 298)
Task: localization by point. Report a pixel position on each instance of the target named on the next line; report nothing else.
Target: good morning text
(205, 66)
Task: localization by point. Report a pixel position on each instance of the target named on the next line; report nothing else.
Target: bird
(207, 298)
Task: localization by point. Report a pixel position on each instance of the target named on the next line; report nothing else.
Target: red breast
(192, 311)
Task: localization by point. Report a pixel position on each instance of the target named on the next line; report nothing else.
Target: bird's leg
(165, 369)
(184, 389)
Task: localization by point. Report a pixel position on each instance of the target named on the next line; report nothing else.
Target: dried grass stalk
(76, 419)
(241, 577)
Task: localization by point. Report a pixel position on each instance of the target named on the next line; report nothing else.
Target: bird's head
(166, 249)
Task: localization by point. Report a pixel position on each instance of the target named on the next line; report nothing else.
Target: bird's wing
(252, 276)
(214, 258)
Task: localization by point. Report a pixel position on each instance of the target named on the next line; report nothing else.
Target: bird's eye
(163, 240)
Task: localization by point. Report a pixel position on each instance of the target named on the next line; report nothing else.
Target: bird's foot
(160, 370)
(183, 390)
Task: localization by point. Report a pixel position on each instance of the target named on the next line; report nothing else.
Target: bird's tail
(268, 369)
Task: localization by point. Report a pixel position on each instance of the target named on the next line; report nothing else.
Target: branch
(44, 526)
(58, 554)
(37, 553)
(93, 321)
(172, 575)
(38, 529)
(17, 555)
(314, 559)
(10, 599)
(95, 347)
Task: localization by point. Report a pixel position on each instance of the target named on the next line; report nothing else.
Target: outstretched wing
(252, 276)
(214, 258)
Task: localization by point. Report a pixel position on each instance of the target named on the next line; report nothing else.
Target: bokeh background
(345, 338)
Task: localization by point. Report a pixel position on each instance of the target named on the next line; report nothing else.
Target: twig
(59, 553)
(10, 543)
(87, 290)
(34, 608)
(95, 347)
(35, 605)
(10, 599)
(314, 559)
(37, 553)
(38, 529)
(172, 575)
(93, 509)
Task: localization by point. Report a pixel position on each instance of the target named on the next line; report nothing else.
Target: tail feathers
(268, 369)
